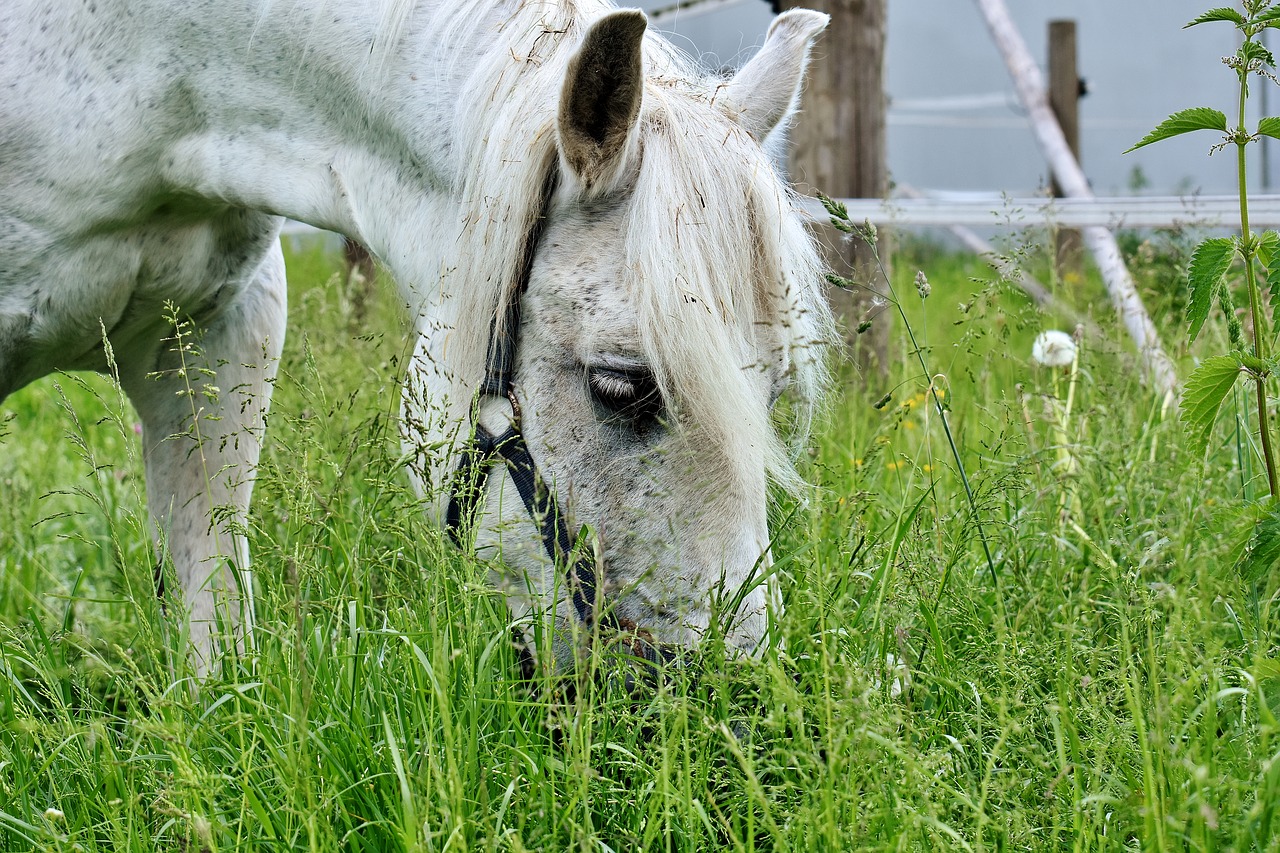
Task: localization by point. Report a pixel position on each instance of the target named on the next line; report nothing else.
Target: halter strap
(471, 476)
(468, 487)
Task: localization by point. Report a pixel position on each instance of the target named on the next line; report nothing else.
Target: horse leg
(203, 404)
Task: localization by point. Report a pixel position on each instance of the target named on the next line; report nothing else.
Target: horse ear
(763, 94)
(600, 100)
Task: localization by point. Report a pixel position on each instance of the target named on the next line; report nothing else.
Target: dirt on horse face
(551, 172)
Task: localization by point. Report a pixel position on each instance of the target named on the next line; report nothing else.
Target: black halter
(468, 486)
(471, 477)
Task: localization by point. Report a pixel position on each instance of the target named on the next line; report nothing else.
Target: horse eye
(625, 394)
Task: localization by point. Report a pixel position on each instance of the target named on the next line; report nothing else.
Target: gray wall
(954, 123)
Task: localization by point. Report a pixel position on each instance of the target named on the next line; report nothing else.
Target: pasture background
(1110, 685)
(954, 122)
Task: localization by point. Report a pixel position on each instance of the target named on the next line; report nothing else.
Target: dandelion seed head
(1053, 348)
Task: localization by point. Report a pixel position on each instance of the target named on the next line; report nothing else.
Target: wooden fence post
(838, 147)
(1064, 100)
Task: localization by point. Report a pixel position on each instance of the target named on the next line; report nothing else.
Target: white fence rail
(976, 211)
(1118, 212)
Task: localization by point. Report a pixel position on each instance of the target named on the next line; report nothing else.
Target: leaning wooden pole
(1101, 242)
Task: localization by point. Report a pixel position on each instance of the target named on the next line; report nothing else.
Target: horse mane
(714, 246)
(744, 261)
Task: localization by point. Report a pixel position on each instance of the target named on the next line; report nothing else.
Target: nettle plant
(1217, 263)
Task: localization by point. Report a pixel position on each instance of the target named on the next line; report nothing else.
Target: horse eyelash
(613, 386)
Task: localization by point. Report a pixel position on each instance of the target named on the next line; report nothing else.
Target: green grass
(1114, 686)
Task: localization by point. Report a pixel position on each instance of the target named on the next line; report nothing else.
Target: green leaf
(1269, 127)
(1234, 525)
(1251, 50)
(1273, 280)
(1219, 14)
(1205, 390)
(1264, 546)
(1268, 254)
(1269, 18)
(1253, 364)
(1185, 121)
(1208, 268)
(1268, 242)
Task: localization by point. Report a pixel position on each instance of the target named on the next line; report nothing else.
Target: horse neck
(346, 115)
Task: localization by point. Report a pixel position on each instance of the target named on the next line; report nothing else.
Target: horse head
(668, 297)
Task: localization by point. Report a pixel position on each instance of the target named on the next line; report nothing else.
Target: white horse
(541, 172)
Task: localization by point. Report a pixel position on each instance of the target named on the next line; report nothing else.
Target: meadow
(1104, 681)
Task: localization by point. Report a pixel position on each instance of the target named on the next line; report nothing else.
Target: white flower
(1054, 349)
(52, 814)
